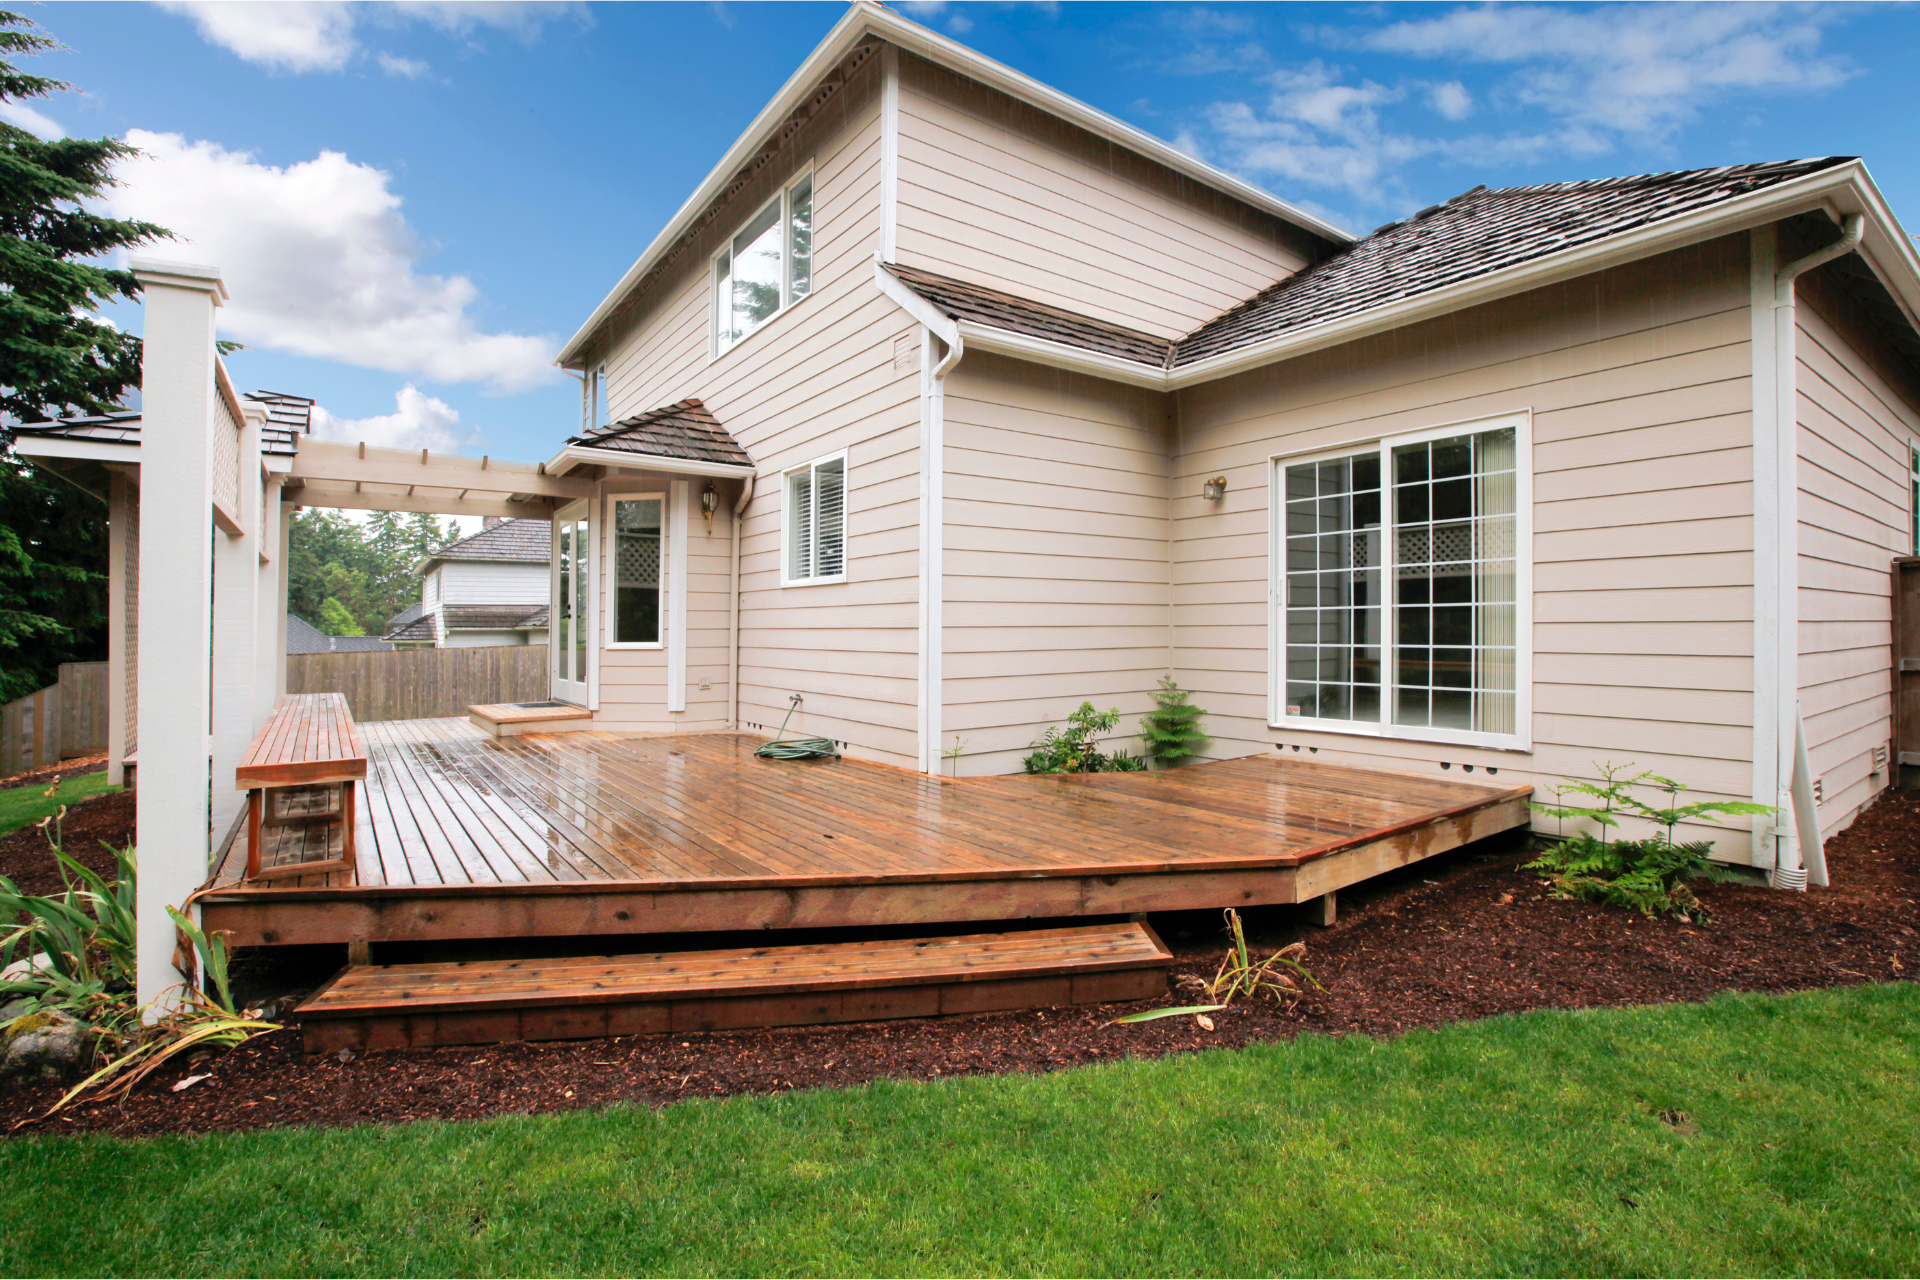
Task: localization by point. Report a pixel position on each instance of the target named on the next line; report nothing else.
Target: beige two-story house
(947, 402)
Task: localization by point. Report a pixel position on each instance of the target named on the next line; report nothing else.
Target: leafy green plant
(1171, 731)
(1074, 747)
(1650, 875)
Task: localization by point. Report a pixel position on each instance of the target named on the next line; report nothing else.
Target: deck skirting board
(398, 913)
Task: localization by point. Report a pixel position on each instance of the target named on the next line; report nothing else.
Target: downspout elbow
(746, 496)
(1852, 229)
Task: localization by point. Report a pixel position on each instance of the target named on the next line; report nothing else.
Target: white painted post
(122, 494)
(270, 604)
(236, 618)
(285, 518)
(176, 624)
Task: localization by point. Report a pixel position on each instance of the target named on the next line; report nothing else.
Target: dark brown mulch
(48, 774)
(1462, 937)
(86, 831)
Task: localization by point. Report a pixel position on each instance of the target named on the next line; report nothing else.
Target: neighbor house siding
(1857, 423)
(1056, 582)
(472, 582)
(998, 193)
(1637, 379)
(816, 379)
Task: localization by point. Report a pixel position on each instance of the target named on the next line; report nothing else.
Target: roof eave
(1843, 189)
(864, 19)
(1061, 355)
(49, 446)
(578, 455)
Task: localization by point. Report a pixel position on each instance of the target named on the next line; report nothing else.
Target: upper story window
(768, 265)
(816, 522)
(1404, 589)
(593, 400)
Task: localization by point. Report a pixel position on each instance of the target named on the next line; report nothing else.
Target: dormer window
(766, 267)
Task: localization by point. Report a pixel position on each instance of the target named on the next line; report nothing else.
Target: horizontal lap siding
(995, 192)
(1857, 424)
(814, 380)
(1056, 555)
(1638, 382)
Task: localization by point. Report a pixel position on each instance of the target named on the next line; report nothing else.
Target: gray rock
(50, 1045)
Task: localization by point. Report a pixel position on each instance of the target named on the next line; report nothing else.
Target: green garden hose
(796, 748)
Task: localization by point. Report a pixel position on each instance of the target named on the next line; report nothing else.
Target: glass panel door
(572, 624)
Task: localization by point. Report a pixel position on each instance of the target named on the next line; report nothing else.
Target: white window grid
(1396, 562)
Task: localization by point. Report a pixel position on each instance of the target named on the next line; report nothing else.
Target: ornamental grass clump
(1652, 875)
(80, 954)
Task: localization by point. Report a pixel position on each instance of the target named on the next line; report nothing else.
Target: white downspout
(733, 608)
(1799, 858)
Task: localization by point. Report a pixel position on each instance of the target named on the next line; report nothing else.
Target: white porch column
(122, 495)
(270, 604)
(236, 619)
(176, 624)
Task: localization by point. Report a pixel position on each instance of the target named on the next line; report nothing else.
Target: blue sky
(415, 204)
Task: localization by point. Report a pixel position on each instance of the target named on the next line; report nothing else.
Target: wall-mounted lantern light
(709, 501)
(1214, 489)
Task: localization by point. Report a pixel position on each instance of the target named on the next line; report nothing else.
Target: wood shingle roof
(685, 430)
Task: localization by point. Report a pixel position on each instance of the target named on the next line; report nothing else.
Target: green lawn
(21, 805)
(1517, 1145)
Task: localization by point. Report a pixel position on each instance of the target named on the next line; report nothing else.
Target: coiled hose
(783, 748)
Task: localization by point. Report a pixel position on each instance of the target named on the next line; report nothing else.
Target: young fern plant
(1170, 733)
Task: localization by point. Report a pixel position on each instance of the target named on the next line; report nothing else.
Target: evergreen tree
(336, 621)
(366, 568)
(56, 358)
(1171, 732)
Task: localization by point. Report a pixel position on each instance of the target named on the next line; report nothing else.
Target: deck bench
(301, 770)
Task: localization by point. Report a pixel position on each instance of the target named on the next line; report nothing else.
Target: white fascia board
(864, 19)
(1829, 188)
(1059, 355)
(276, 463)
(88, 450)
(575, 455)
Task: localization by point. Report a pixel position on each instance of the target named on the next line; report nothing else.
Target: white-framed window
(636, 577)
(766, 266)
(1403, 580)
(814, 523)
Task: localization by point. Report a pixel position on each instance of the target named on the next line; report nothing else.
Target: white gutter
(1060, 355)
(1783, 773)
(865, 19)
(579, 455)
(936, 326)
(733, 608)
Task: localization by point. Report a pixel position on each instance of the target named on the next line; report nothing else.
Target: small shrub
(1650, 876)
(1171, 732)
(1075, 748)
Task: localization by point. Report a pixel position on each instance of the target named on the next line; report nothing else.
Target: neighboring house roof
(427, 624)
(510, 541)
(685, 430)
(288, 418)
(304, 637)
(1473, 234)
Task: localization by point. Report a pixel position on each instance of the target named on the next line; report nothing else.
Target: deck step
(505, 719)
(486, 1002)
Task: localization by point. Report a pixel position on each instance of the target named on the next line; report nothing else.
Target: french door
(572, 611)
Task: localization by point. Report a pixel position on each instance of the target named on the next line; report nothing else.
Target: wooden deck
(462, 835)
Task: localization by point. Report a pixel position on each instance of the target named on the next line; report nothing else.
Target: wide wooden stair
(487, 1002)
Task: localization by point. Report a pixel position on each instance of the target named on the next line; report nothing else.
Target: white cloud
(1451, 100)
(419, 421)
(1636, 69)
(395, 65)
(320, 262)
(323, 35)
(22, 116)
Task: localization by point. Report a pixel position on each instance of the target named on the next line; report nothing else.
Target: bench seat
(308, 746)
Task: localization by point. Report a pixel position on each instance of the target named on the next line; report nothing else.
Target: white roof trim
(579, 455)
(864, 19)
(66, 447)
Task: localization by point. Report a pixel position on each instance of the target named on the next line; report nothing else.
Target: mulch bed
(47, 774)
(1462, 937)
(86, 831)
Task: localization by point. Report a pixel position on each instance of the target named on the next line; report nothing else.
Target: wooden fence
(420, 684)
(59, 722)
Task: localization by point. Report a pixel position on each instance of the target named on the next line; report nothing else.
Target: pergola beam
(343, 466)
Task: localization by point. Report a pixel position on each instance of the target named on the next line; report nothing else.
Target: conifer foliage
(56, 358)
(1170, 733)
